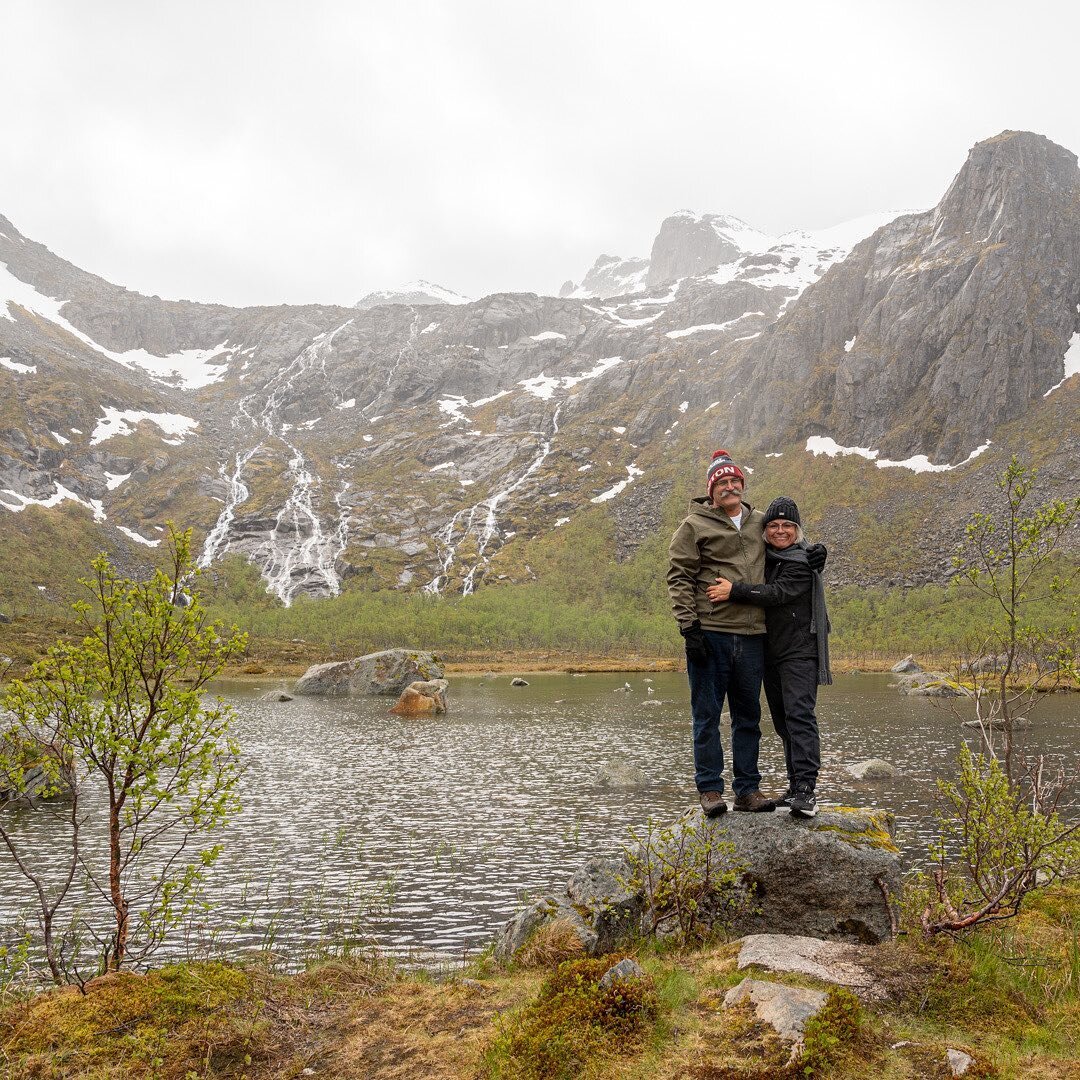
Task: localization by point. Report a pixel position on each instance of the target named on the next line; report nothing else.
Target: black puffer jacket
(787, 597)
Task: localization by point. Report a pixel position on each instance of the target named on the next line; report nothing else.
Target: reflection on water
(466, 813)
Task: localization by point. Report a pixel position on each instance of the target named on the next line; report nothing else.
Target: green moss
(870, 830)
(572, 1022)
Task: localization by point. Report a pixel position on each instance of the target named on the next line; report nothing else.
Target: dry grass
(552, 943)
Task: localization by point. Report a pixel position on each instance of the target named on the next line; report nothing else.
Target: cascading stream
(298, 553)
(487, 509)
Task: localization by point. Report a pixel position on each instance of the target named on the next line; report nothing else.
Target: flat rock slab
(835, 962)
(784, 1008)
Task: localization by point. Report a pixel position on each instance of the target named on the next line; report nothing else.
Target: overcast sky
(276, 151)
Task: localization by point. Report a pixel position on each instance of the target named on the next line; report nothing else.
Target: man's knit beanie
(782, 509)
(722, 465)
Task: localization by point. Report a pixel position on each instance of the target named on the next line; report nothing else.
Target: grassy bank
(1010, 997)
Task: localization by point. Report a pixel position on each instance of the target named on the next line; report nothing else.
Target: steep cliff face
(689, 244)
(940, 325)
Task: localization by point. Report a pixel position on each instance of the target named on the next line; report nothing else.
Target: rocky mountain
(940, 325)
(416, 293)
(427, 444)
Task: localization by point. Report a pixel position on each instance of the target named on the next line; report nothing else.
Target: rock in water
(906, 666)
(621, 775)
(830, 877)
(276, 695)
(518, 681)
(381, 673)
(928, 684)
(423, 699)
(873, 769)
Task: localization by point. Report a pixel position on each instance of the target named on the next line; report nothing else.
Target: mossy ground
(1009, 996)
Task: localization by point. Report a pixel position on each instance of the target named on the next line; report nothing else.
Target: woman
(796, 647)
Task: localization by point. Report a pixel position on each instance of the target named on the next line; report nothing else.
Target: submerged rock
(518, 681)
(873, 769)
(276, 695)
(621, 775)
(381, 673)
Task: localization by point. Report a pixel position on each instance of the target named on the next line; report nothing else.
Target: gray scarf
(819, 620)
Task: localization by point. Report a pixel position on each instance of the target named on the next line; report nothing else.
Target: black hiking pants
(791, 691)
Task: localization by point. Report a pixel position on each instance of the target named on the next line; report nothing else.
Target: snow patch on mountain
(118, 422)
(920, 463)
(62, 494)
(1072, 361)
(19, 369)
(415, 293)
(132, 535)
(632, 471)
(189, 369)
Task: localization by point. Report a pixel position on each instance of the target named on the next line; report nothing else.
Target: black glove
(694, 636)
(816, 554)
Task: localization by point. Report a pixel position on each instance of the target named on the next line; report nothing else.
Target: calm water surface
(467, 813)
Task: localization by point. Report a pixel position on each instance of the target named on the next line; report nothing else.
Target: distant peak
(419, 292)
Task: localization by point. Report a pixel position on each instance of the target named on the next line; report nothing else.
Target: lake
(454, 819)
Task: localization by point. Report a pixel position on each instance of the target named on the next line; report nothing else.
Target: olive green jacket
(707, 545)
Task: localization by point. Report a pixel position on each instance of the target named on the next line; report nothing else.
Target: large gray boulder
(832, 877)
(384, 673)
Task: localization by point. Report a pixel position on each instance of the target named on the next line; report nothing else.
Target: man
(722, 536)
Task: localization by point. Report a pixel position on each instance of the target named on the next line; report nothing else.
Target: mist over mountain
(420, 440)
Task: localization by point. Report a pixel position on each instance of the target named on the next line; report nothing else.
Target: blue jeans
(732, 670)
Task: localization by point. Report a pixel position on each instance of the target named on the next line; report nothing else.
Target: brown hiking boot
(753, 802)
(712, 803)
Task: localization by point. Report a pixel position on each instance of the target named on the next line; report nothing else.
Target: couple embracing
(747, 594)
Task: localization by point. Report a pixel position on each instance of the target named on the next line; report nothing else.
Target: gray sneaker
(785, 799)
(712, 803)
(804, 803)
(753, 802)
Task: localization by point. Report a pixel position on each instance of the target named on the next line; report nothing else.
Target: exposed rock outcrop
(936, 309)
(845, 862)
(836, 962)
(784, 1008)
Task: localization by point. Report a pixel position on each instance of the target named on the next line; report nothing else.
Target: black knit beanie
(783, 508)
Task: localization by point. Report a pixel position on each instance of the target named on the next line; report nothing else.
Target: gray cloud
(260, 152)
